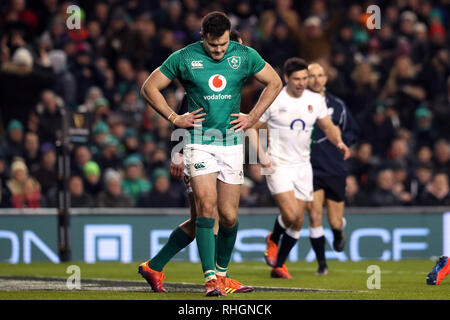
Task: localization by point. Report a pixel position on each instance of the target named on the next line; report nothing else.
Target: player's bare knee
(228, 221)
(289, 217)
(207, 208)
(315, 220)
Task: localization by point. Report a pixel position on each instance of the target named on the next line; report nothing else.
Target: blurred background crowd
(395, 81)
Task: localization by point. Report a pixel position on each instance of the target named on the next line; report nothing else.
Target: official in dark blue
(329, 170)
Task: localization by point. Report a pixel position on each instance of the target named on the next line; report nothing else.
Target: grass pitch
(403, 280)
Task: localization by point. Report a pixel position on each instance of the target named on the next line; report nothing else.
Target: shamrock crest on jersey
(234, 62)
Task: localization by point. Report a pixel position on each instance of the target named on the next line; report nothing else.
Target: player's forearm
(157, 101)
(265, 99)
(334, 135)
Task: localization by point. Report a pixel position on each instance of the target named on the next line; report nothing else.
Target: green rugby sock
(206, 245)
(178, 240)
(225, 245)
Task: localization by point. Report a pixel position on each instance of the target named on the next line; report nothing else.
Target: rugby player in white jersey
(290, 120)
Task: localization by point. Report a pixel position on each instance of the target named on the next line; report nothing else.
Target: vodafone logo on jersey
(217, 82)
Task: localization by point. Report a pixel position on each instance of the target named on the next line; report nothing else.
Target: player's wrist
(173, 117)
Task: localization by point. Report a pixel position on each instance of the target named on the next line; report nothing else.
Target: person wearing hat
(113, 195)
(92, 178)
(101, 108)
(100, 131)
(379, 131)
(424, 132)
(110, 155)
(13, 145)
(134, 183)
(131, 142)
(25, 190)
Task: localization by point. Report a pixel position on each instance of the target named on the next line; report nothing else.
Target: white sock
(293, 234)
(316, 232)
(281, 223)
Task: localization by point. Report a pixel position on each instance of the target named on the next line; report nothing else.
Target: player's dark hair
(294, 64)
(215, 24)
(235, 35)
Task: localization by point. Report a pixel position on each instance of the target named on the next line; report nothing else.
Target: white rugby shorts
(227, 161)
(298, 179)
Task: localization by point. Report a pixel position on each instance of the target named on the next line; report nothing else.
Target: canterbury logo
(199, 166)
(197, 64)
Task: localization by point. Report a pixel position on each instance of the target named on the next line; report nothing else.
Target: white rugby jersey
(291, 121)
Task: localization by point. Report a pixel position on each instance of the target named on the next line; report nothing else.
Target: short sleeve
(255, 62)
(323, 109)
(171, 67)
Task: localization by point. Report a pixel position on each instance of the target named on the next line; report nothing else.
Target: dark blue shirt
(326, 159)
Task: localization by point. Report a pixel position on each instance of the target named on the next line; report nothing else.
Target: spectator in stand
(160, 195)
(442, 156)
(32, 124)
(31, 151)
(402, 183)
(79, 198)
(378, 131)
(131, 142)
(4, 172)
(81, 156)
(424, 132)
(135, 184)
(440, 107)
(117, 127)
(353, 196)
(100, 133)
(405, 89)
(46, 173)
(362, 166)
(13, 146)
(92, 178)
(383, 195)
(437, 193)
(422, 177)
(399, 153)
(101, 109)
(109, 155)
(365, 81)
(5, 195)
(25, 190)
(17, 74)
(50, 120)
(424, 155)
(113, 196)
(65, 85)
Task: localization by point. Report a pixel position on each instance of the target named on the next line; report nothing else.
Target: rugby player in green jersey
(213, 72)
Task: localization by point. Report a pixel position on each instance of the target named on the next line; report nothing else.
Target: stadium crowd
(395, 81)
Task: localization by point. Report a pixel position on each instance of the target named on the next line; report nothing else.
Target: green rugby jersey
(215, 86)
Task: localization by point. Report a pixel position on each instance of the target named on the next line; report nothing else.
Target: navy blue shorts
(334, 187)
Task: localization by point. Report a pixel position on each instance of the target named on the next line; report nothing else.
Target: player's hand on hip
(177, 166)
(344, 150)
(190, 119)
(243, 121)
